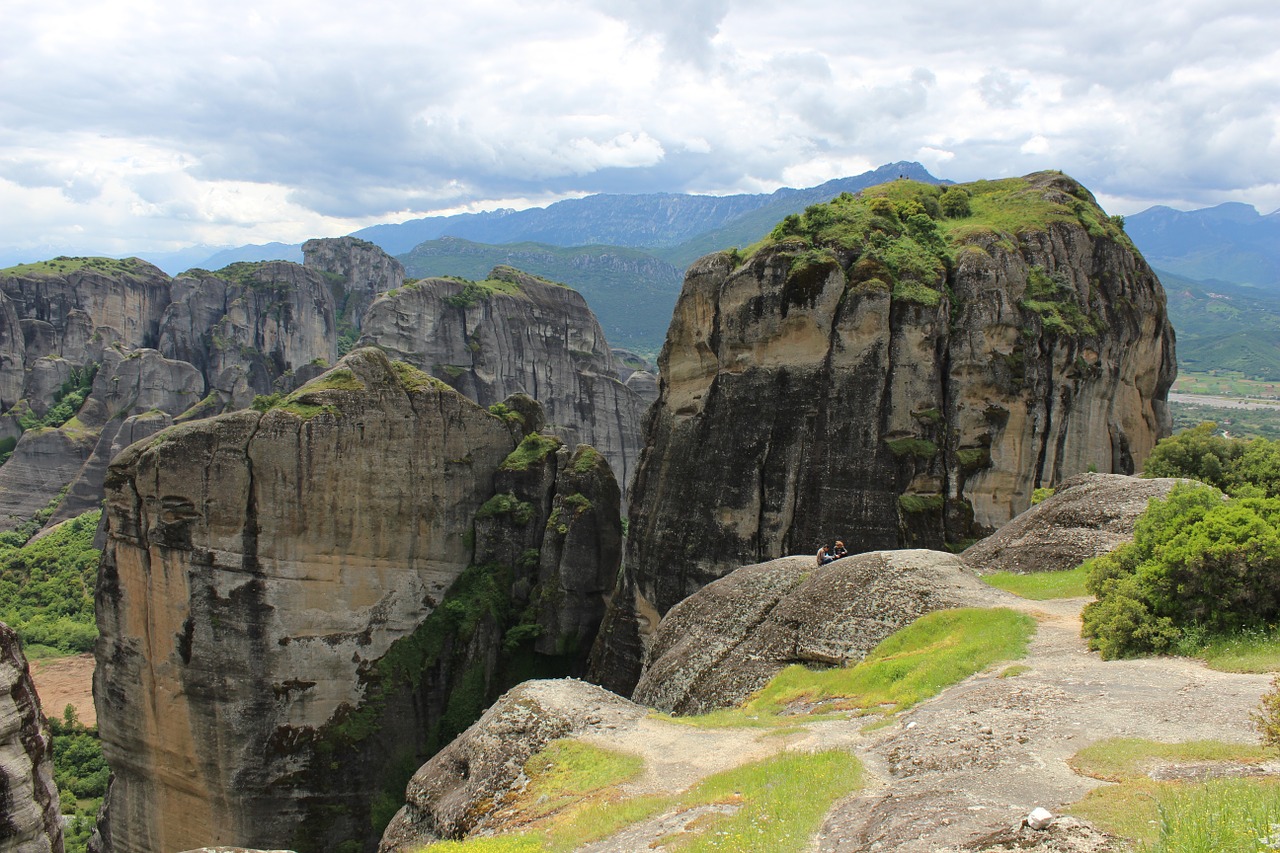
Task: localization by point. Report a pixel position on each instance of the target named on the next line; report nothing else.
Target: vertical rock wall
(29, 818)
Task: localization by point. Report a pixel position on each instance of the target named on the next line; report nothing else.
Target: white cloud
(139, 122)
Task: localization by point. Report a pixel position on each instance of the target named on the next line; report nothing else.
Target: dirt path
(977, 758)
(65, 681)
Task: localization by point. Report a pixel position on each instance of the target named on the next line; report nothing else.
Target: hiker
(839, 551)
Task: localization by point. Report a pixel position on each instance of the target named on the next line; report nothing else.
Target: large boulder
(1087, 516)
(452, 793)
(727, 640)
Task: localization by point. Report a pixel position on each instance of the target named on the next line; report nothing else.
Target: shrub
(1197, 562)
(1267, 718)
(955, 203)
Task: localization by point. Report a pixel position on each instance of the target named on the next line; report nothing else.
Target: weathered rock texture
(727, 640)
(516, 333)
(883, 374)
(455, 791)
(29, 817)
(292, 616)
(250, 325)
(364, 270)
(1086, 517)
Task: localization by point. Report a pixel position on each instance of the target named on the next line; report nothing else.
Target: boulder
(453, 793)
(1087, 516)
(727, 640)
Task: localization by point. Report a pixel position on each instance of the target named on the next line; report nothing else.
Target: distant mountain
(264, 252)
(1224, 326)
(1230, 242)
(631, 292)
(647, 220)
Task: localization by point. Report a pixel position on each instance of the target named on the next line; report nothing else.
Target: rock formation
(1087, 516)
(294, 616)
(891, 374)
(30, 821)
(515, 333)
(250, 325)
(452, 793)
(364, 270)
(727, 640)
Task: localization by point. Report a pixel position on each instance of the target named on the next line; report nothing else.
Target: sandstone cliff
(893, 374)
(363, 270)
(516, 333)
(296, 609)
(29, 818)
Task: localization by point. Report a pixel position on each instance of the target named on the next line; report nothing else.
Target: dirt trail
(980, 756)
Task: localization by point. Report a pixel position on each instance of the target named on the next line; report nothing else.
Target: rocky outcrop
(885, 373)
(727, 640)
(455, 791)
(293, 614)
(1087, 516)
(86, 298)
(250, 326)
(30, 821)
(363, 270)
(43, 463)
(515, 333)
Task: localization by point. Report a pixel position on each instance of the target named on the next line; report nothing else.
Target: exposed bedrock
(359, 268)
(296, 610)
(30, 821)
(908, 384)
(727, 640)
(1088, 515)
(516, 333)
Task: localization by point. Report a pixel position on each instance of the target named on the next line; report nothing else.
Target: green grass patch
(921, 448)
(412, 379)
(921, 503)
(567, 771)
(780, 802)
(533, 448)
(1178, 817)
(63, 265)
(1040, 586)
(911, 665)
(1014, 671)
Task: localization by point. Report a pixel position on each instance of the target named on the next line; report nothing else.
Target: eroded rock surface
(30, 821)
(1087, 516)
(293, 614)
(516, 333)
(728, 639)
(465, 782)
(810, 391)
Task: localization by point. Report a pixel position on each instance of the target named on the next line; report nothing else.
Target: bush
(1198, 562)
(1237, 466)
(1267, 718)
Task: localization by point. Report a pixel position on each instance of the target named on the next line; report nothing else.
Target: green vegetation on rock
(63, 265)
(81, 774)
(533, 448)
(1237, 466)
(919, 447)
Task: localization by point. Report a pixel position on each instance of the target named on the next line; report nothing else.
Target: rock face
(888, 374)
(451, 794)
(293, 616)
(29, 817)
(250, 325)
(727, 640)
(516, 333)
(1086, 517)
(364, 270)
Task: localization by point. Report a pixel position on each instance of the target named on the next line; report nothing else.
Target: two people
(830, 555)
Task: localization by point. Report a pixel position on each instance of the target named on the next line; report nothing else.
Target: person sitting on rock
(839, 551)
(823, 556)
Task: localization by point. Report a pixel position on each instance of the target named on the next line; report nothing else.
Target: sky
(131, 125)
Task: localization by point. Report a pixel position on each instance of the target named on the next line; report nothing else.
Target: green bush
(1237, 466)
(46, 586)
(1198, 562)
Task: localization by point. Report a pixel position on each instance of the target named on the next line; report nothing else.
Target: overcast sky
(131, 125)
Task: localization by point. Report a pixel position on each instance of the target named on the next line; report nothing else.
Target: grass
(1178, 817)
(909, 666)
(533, 448)
(780, 802)
(63, 265)
(1253, 651)
(1039, 586)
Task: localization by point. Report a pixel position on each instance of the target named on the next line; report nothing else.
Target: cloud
(137, 122)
